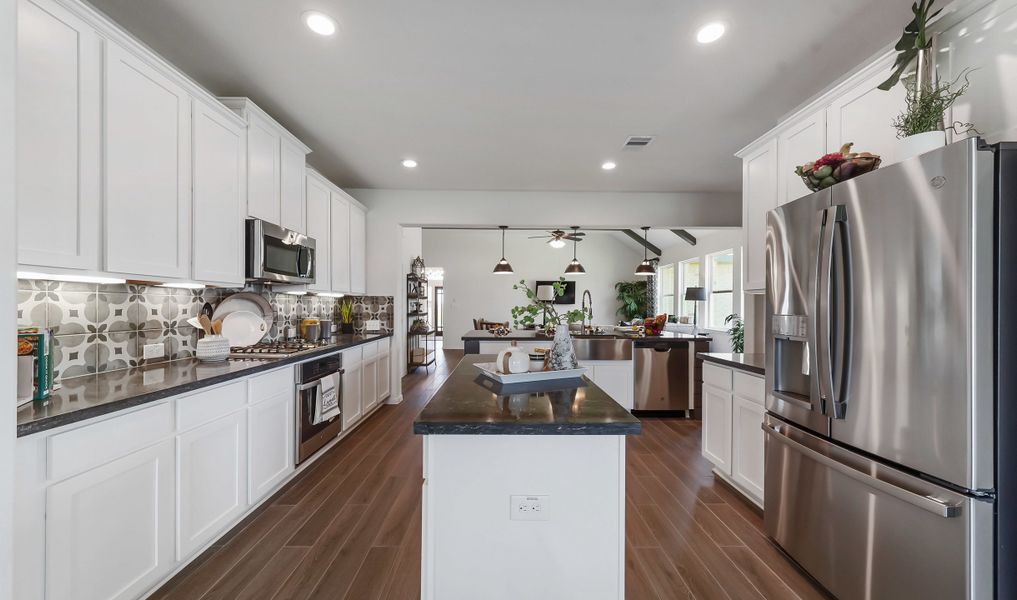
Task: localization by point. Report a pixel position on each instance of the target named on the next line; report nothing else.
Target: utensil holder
(213, 348)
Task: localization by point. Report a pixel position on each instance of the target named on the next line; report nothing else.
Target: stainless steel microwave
(278, 255)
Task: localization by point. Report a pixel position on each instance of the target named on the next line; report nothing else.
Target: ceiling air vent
(638, 142)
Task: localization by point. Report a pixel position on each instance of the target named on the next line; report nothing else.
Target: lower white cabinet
(733, 411)
(211, 480)
(614, 377)
(352, 409)
(109, 530)
(717, 427)
(384, 372)
(270, 443)
(747, 444)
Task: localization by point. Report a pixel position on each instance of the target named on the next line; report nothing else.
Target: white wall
(716, 241)
(473, 291)
(8, 243)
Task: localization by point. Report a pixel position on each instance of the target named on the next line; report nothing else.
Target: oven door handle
(306, 386)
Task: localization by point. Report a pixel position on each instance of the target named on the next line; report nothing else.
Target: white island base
(476, 546)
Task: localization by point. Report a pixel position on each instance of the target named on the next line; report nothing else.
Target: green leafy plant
(736, 332)
(526, 314)
(924, 109)
(345, 309)
(632, 295)
(913, 40)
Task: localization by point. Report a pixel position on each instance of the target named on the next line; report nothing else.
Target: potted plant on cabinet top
(563, 355)
(921, 126)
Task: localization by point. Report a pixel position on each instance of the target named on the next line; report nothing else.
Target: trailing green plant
(913, 40)
(924, 109)
(526, 314)
(736, 332)
(632, 295)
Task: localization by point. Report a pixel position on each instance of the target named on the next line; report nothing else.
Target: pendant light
(503, 267)
(645, 268)
(575, 268)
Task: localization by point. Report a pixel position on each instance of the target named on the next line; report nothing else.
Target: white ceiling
(523, 94)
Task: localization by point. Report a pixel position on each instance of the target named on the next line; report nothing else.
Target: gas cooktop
(275, 349)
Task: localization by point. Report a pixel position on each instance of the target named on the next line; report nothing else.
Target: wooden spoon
(206, 324)
(217, 327)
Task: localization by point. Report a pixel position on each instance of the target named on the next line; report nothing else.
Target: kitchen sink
(605, 347)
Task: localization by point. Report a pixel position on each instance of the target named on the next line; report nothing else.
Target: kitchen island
(524, 489)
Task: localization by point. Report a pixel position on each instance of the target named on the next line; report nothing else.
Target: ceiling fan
(557, 238)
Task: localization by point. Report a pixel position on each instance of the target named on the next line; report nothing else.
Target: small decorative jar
(213, 348)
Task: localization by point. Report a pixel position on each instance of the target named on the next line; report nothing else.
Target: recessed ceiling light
(709, 33)
(409, 163)
(319, 23)
(608, 166)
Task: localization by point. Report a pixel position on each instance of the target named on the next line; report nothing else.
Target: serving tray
(491, 370)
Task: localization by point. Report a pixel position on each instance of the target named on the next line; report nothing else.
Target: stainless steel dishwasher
(662, 376)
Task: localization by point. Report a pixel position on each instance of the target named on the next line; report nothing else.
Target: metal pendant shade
(645, 268)
(503, 267)
(575, 267)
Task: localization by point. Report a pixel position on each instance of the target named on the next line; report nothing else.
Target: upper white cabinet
(358, 249)
(220, 185)
(148, 170)
(862, 114)
(759, 196)
(59, 137)
(319, 203)
(803, 141)
(276, 163)
(340, 242)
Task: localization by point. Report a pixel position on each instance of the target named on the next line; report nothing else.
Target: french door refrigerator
(891, 432)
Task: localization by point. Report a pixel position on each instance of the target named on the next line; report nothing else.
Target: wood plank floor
(349, 526)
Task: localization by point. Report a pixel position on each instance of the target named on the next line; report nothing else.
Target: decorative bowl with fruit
(836, 167)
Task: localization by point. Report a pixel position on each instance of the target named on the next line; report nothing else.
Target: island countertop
(470, 403)
(753, 363)
(518, 335)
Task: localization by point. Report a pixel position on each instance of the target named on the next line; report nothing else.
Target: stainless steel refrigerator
(891, 435)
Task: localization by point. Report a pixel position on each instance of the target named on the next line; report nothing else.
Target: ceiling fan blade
(536, 237)
(579, 234)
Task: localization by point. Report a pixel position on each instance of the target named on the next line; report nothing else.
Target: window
(688, 276)
(720, 301)
(665, 289)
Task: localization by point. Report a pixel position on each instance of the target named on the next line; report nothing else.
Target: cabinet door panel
(803, 142)
(747, 446)
(340, 234)
(369, 382)
(616, 380)
(212, 480)
(109, 531)
(358, 250)
(59, 122)
(717, 428)
(220, 183)
(759, 196)
(319, 201)
(863, 115)
(352, 394)
(263, 156)
(148, 178)
(270, 444)
(292, 175)
(384, 376)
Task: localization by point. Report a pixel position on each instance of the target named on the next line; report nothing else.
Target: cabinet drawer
(370, 350)
(750, 387)
(384, 347)
(353, 357)
(209, 405)
(99, 443)
(718, 377)
(270, 385)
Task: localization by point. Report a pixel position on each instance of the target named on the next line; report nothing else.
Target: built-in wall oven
(316, 381)
(278, 255)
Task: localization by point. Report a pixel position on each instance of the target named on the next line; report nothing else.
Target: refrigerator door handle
(821, 312)
(933, 505)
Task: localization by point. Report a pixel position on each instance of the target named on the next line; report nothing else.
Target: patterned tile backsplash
(101, 328)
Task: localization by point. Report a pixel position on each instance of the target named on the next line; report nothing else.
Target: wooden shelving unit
(416, 308)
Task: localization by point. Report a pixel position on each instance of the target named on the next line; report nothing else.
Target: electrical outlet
(153, 351)
(530, 508)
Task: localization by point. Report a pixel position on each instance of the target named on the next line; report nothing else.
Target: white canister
(513, 360)
(213, 348)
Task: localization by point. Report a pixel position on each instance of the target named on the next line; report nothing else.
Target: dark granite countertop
(753, 363)
(470, 403)
(519, 335)
(88, 396)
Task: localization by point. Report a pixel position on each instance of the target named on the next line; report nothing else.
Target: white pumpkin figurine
(513, 360)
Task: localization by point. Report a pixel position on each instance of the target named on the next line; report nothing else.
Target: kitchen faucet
(587, 297)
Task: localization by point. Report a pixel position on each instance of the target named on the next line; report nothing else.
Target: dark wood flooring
(349, 526)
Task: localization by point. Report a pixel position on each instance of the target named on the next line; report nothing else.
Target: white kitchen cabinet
(353, 408)
(319, 202)
(384, 370)
(614, 377)
(211, 480)
(59, 137)
(759, 196)
(292, 178)
(147, 149)
(220, 190)
(747, 446)
(340, 234)
(264, 162)
(109, 531)
(358, 249)
(717, 427)
(369, 379)
(803, 141)
(862, 114)
(270, 440)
